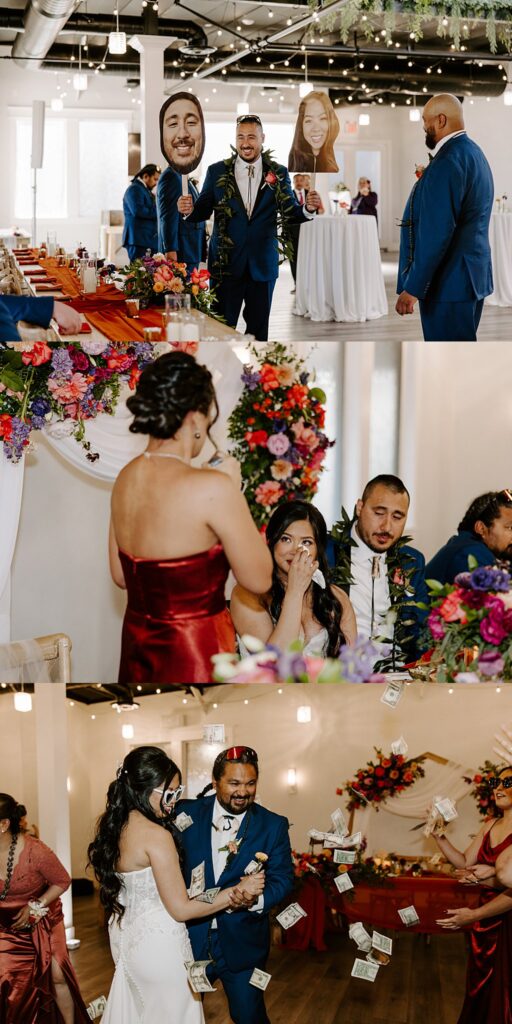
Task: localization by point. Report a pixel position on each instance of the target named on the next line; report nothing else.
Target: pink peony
(435, 625)
(281, 469)
(69, 390)
(278, 444)
(268, 493)
(305, 436)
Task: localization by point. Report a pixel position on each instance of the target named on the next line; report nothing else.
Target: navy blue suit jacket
(175, 234)
(244, 935)
(254, 239)
(140, 219)
(22, 307)
(444, 240)
(452, 558)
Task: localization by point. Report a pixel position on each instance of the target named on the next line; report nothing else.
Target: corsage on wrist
(37, 911)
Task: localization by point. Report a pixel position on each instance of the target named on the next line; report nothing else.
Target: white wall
(347, 722)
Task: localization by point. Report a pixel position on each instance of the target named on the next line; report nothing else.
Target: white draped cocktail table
(500, 237)
(339, 273)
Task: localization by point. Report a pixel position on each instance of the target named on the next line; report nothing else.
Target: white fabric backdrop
(500, 238)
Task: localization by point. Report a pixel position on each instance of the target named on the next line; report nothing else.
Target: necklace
(165, 455)
(10, 865)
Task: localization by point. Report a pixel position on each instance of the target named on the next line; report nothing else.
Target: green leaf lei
(400, 569)
(224, 212)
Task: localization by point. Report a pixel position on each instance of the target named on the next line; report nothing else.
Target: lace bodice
(316, 646)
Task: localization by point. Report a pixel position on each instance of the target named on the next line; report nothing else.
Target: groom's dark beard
(430, 139)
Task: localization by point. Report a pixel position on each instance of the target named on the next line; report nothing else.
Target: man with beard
(251, 196)
(140, 231)
(485, 532)
(182, 140)
(381, 573)
(226, 832)
(445, 257)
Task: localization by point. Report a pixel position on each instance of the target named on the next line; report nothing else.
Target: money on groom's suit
(208, 895)
(183, 821)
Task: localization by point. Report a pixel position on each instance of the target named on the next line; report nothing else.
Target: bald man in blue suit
(445, 256)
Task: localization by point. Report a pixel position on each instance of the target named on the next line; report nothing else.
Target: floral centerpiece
(152, 277)
(268, 664)
(277, 427)
(482, 791)
(381, 779)
(71, 381)
(471, 624)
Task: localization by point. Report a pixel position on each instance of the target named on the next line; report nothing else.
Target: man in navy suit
(178, 238)
(445, 257)
(485, 532)
(238, 942)
(36, 310)
(244, 256)
(380, 572)
(140, 218)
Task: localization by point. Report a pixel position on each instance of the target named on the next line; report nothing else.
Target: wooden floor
(424, 982)
(495, 325)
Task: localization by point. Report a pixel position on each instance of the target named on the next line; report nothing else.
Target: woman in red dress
(37, 982)
(489, 976)
(177, 530)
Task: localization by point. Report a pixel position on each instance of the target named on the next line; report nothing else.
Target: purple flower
(485, 577)
(250, 379)
(291, 666)
(16, 445)
(490, 663)
(463, 579)
(357, 661)
(143, 350)
(62, 363)
(304, 377)
(278, 444)
(40, 406)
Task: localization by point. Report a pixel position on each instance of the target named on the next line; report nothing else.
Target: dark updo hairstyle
(11, 809)
(486, 508)
(143, 770)
(326, 607)
(168, 389)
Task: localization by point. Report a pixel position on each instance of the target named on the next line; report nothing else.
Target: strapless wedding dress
(149, 949)
(316, 646)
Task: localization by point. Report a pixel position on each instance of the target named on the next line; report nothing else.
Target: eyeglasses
(170, 796)
(494, 781)
(249, 117)
(235, 753)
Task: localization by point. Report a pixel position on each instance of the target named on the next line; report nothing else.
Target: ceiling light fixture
(117, 39)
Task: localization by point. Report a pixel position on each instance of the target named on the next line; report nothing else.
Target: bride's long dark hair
(143, 770)
(326, 607)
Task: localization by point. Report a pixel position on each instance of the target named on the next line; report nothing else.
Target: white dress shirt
(362, 561)
(440, 144)
(219, 839)
(243, 178)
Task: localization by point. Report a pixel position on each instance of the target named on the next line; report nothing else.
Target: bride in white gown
(136, 861)
(298, 606)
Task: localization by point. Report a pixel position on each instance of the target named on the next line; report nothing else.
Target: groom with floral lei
(254, 207)
(228, 832)
(384, 577)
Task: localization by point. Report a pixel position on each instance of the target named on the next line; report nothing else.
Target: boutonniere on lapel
(270, 179)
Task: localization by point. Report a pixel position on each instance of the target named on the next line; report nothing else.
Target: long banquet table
(339, 272)
(105, 310)
(500, 238)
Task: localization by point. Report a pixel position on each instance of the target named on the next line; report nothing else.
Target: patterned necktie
(224, 823)
(250, 172)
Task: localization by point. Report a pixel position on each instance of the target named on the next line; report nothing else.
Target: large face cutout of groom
(182, 135)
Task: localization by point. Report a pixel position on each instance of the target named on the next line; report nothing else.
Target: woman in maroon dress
(177, 530)
(489, 976)
(37, 982)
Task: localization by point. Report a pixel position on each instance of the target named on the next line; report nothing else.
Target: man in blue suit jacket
(37, 310)
(178, 238)
(373, 563)
(237, 942)
(485, 532)
(244, 257)
(445, 257)
(140, 218)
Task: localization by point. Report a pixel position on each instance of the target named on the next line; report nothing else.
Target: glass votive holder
(132, 307)
(152, 334)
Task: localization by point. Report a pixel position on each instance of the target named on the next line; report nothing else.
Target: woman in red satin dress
(489, 976)
(177, 530)
(37, 982)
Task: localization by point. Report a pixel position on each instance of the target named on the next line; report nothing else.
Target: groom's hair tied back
(393, 483)
(234, 755)
(169, 388)
(485, 509)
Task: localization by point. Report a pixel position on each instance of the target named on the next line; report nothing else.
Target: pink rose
(281, 469)
(270, 178)
(492, 631)
(268, 493)
(278, 444)
(305, 436)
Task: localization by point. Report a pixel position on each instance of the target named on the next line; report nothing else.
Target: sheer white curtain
(11, 490)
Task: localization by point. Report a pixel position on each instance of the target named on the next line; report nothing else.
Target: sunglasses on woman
(170, 796)
(495, 781)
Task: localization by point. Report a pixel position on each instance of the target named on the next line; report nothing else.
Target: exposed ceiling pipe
(43, 20)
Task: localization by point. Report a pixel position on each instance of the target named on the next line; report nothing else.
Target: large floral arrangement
(277, 428)
(268, 664)
(71, 381)
(381, 779)
(473, 616)
(152, 277)
(482, 792)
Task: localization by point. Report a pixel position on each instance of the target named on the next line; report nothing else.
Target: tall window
(51, 178)
(103, 166)
(385, 408)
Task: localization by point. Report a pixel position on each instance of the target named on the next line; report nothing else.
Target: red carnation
(38, 354)
(6, 426)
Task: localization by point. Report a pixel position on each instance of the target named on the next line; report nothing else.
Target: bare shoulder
(212, 482)
(341, 595)
(248, 599)
(147, 831)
